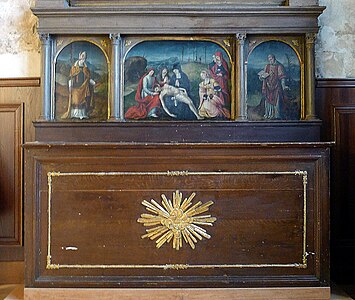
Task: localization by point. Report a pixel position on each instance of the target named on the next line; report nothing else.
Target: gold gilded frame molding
(299, 265)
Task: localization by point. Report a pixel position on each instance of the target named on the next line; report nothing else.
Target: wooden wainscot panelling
(344, 184)
(19, 106)
(26, 91)
(336, 107)
(11, 135)
(176, 215)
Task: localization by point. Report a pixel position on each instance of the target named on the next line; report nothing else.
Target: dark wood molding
(178, 132)
(20, 82)
(335, 83)
(152, 145)
(339, 112)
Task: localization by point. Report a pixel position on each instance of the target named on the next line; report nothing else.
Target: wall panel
(19, 107)
(336, 107)
(10, 181)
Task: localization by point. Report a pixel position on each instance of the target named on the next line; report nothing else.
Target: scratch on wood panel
(70, 248)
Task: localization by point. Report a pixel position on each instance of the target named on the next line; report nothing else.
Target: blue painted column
(46, 76)
(115, 103)
(241, 112)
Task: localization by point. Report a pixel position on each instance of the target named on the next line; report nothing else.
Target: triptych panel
(178, 78)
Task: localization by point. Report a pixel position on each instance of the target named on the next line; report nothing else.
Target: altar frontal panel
(175, 223)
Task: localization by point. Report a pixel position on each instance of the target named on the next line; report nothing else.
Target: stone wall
(20, 46)
(335, 49)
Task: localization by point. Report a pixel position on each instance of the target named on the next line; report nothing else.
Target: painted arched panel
(177, 80)
(274, 85)
(81, 83)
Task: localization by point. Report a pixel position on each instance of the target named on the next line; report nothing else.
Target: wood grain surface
(95, 201)
(180, 294)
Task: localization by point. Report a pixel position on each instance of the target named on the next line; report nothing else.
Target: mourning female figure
(147, 97)
(163, 76)
(180, 80)
(211, 105)
(220, 73)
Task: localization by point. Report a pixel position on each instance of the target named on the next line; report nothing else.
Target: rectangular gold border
(303, 265)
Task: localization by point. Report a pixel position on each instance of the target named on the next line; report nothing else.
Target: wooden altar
(227, 203)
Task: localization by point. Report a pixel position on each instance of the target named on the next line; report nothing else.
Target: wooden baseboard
(178, 294)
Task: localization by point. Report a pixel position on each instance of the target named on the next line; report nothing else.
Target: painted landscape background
(256, 62)
(97, 64)
(193, 56)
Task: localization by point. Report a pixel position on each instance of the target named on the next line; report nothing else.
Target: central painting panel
(177, 80)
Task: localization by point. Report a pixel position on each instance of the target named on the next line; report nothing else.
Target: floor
(15, 292)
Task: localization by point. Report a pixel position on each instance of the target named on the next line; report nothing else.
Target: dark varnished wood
(260, 216)
(336, 107)
(19, 106)
(11, 135)
(183, 132)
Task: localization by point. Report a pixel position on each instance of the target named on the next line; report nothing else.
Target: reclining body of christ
(179, 95)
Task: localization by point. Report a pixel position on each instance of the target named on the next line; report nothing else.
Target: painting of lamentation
(177, 80)
(81, 83)
(273, 82)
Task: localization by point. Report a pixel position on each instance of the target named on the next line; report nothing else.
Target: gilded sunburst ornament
(176, 220)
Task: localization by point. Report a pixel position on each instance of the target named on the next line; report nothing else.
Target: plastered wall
(20, 46)
(335, 48)
(19, 43)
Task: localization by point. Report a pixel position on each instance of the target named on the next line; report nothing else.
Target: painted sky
(94, 54)
(258, 58)
(161, 50)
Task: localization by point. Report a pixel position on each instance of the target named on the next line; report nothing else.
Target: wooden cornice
(335, 83)
(178, 19)
(176, 2)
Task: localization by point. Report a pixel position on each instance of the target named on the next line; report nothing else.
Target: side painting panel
(81, 83)
(177, 80)
(274, 85)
